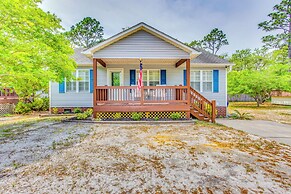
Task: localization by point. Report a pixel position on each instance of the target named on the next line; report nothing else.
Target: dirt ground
(187, 158)
(266, 111)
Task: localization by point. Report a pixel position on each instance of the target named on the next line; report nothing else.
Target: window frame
(202, 80)
(148, 75)
(77, 82)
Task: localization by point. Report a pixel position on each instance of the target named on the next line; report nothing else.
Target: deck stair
(201, 108)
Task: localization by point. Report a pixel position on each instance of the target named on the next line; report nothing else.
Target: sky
(185, 20)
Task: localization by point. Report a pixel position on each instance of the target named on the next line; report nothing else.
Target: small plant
(22, 108)
(136, 116)
(175, 116)
(241, 116)
(77, 110)
(7, 115)
(85, 115)
(156, 118)
(81, 116)
(89, 112)
(54, 145)
(55, 110)
(117, 115)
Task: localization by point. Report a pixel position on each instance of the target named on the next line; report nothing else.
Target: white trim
(50, 93)
(110, 70)
(213, 65)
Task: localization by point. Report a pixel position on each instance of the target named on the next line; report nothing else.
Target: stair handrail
(205, 107)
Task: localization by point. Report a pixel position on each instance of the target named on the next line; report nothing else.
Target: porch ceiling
(117, 61)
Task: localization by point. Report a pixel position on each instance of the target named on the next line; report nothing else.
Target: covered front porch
(127, 98)
(157, 98)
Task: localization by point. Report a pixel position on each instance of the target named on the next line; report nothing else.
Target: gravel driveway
(267, 129)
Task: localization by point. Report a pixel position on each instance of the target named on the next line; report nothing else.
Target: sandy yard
(266, 111)
(187, 158)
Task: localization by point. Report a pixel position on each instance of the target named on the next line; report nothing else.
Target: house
(281, 97)
(176, 78)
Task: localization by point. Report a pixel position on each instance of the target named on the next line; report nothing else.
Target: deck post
(94, 86)
(213, 102)
(142, 95)
(188, 85)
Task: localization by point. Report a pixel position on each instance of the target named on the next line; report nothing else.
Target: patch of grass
(241, 115)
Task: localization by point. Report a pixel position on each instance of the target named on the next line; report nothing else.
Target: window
(81, 83)
(201, 80)
(71, 85)
(83, 80)
(150, 77)
(207, 81)
(195, 80)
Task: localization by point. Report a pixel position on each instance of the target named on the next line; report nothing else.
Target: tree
(33, 51)
(212, 41)
(251, 60)
(195, 44)
(280, 21)
(256, 80)
(86, 33)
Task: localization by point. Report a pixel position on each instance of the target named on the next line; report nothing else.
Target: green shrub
(156, 118)
(84, 115)
(117, 115)
(175, 116)
(40, 104)
(46, 104)
(7, 115)
(22, 108)
(241, 116)
(136, 116)
(89, 112)
(81, 116)
(55, 110)
(77, 110)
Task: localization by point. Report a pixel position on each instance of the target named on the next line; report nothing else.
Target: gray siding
(174, 77)
(220, 97)
(141, 44)
(84, 99)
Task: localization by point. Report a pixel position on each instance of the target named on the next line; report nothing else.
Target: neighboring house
(176, 78)
(281, 97)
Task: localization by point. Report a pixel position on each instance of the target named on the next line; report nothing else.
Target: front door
(115, 77)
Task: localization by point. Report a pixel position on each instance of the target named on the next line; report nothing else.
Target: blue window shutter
(163, 77)
(185, 77)
(91, 81)
(62, 87)
(215, 81)
(132, 75)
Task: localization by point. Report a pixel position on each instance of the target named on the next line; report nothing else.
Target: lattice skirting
(145, 115)
(6, 108)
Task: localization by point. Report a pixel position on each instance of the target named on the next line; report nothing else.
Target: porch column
(188, 85)
(94, 86)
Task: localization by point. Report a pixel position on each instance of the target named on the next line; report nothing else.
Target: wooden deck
(148, 98)
(8, 96)
(153, 99)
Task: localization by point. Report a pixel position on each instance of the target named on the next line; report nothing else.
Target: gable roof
(80, 58)
(142, 26)
(207, 57)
